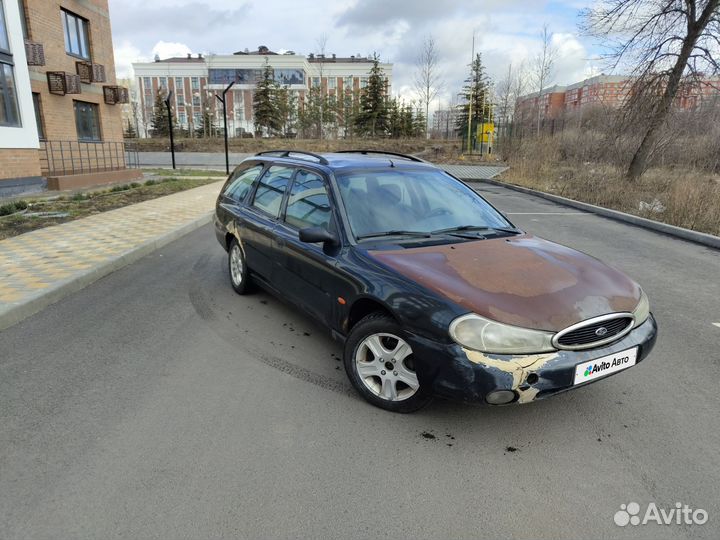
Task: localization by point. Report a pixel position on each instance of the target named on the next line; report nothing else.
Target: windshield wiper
(417, 234)
(477, 228)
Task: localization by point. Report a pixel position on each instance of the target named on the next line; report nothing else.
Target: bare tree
(520, 85)
(321, 43)
(507, 90)
(543, 67)
(666, 43)
(428, 80)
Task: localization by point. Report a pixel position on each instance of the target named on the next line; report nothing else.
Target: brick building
(60, 121)
(606, 90)
(196, 78)
(551, 102)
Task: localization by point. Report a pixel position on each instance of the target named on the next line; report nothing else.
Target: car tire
(379, 363)
(237, 268)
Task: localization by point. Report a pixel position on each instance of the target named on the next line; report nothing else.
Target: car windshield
(389, 202)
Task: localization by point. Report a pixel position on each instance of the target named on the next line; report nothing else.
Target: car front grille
(584, 336)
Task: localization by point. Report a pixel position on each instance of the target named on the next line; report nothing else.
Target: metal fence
(60, 158)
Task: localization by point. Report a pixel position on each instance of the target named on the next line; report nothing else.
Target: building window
(9, 115)
(316, 82)
(87, 121)
(77, 42)
(182, 118)
(363, 82)
(4, 41)
(195, 83)
(147, 83)
(163, 82)
(332, 83)
(196, 99)
(38, 116)
(23, 19)
(179, 84)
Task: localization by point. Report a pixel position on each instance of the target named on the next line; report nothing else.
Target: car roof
(336, 161)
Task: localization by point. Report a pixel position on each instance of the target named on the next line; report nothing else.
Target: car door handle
(281, 242)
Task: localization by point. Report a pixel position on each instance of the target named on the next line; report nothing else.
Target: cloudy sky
(506, 31)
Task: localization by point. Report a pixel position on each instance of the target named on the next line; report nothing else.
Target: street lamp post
(224, 104)
(170, 126)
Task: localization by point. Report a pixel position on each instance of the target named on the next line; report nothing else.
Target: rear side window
(271, 189)
(308, 204)
(241, 182)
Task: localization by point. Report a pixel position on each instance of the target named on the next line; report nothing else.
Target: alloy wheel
(385, 365)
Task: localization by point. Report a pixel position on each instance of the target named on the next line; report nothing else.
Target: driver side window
(308, 204)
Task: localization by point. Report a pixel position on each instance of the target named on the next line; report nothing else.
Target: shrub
(7, 209)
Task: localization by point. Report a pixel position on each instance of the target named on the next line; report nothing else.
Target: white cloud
(507, 31)
(165, 49)
(125, 54)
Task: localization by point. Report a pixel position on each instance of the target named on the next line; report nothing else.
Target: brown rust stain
(524, 281)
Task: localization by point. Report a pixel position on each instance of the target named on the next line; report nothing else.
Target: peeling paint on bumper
(466, 375)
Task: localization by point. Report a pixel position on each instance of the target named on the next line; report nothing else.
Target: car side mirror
(315, 235)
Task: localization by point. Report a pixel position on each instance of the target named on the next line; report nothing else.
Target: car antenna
(391, 163)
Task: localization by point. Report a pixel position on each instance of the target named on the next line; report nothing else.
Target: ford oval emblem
(600, 332)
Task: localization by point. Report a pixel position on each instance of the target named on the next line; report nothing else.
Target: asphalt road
(156, 403)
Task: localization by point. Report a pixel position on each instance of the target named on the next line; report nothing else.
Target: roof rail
(382, 153)
(286, 153)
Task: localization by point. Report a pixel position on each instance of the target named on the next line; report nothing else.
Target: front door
(306, 272)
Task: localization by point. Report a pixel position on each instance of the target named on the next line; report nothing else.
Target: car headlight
(642, 311)
(476, 332)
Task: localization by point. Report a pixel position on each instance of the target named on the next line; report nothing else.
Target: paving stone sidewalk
(40, 267)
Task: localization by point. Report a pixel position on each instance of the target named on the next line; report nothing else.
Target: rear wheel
(237, 268)
(381, 365)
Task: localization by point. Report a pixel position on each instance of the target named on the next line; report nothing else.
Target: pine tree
(207, 126)
(159, 122)
(394, 118)
(286, 107)
(130, 132)
(264, 102)
(372, 119)
(477, 85)
(350, 110)
(419, 124)
(309, 114)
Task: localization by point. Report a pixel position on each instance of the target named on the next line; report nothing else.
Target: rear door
(260, 218)
(307, 272)
(228, 215)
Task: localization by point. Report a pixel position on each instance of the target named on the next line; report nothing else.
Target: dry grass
(690, 198)
(438, 151)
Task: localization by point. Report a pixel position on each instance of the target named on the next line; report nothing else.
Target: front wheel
(381, 366)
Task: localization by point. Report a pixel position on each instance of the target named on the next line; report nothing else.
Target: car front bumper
(457, 373)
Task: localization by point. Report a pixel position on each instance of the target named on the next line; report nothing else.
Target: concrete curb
(704, 239)
(15, 314)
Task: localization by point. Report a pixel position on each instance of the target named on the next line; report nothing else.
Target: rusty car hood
(523, 281)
